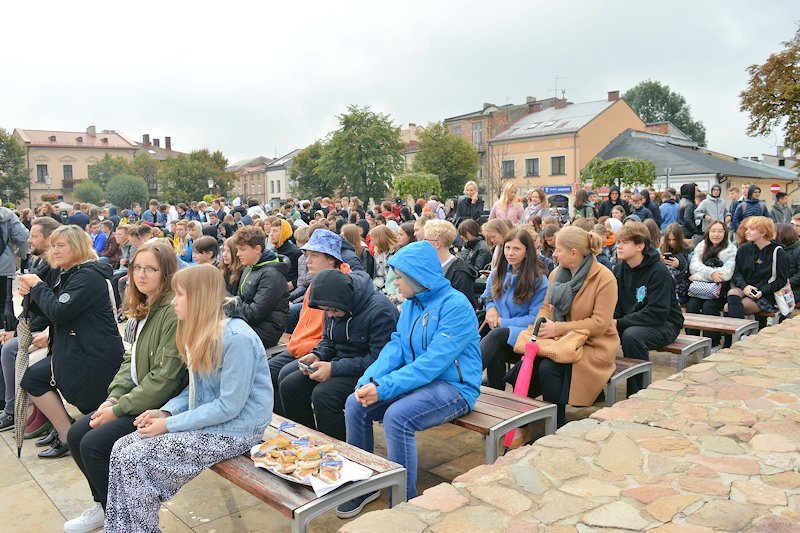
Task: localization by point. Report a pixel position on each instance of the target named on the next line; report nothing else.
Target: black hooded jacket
(349, 256)
(686, 211)
(353, 342)
(263, 297)
(651, 205)
(476, 253)
(462, 278)
(608, 205)
(85, 344)
(646, 294)
(754, 267)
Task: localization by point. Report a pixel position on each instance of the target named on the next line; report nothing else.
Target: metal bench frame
(645, 368)
(496, 433)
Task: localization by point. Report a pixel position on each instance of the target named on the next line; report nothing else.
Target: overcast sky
(264, 78)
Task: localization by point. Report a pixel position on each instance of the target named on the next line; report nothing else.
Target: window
(532, 126)
(253, 186)
(271, 187)
(456, 130)
(558, 165)
(279, 187)
(477, 134)
(532, 167)
(260, 185)
(548, 124)
(41, 172)
(508, 169)
(781, 162)
(67, 172)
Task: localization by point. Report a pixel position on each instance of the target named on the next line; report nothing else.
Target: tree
(14, 173)
(108, 167)
(125, 189)
(185, 178)
(417, 184)
(89, 191)
(364, 153)
(654, 102)
(216, 163)
(448, 156)
(305, 174)
(772, 96)
(147, 167)
(620, 171)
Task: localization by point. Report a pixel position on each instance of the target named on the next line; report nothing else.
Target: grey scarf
(565, 286)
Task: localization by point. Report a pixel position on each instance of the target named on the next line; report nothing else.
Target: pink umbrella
(523, 383)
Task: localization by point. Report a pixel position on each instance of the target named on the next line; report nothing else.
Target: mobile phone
(669, 256)
(305, 368)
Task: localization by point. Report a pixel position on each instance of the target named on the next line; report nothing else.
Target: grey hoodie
(15, 236)
(716, 208)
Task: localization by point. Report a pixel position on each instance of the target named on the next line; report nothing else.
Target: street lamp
(7, 192)
(48, 180)
(210, 186)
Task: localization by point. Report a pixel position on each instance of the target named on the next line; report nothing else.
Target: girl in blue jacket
(512, 300)
(221, 414)
(429, 373)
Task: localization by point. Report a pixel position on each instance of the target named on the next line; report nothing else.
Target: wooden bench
(686, 345)
(626, 369)
(299, 502)
(281, 346)
(497, 412)
(735, 327)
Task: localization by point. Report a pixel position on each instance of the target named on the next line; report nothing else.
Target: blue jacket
(99, 242)
(236, 399)
(669, 213)
(515, 316)
(749, 208)
(437, 334)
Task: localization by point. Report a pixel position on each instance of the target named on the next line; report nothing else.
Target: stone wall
(714, 447)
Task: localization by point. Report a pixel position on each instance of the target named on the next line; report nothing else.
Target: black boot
(57, 449)
(48, 439)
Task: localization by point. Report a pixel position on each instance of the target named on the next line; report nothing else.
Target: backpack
(764, 210)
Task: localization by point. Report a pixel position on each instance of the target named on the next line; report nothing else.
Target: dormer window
(52, 138)
(79, 139)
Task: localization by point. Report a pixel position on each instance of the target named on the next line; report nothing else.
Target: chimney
(530, 99)
(534, 107)
(412, 125)
(157, 143)
(91, 131)
(780, 151)
(487, 106)
(146, 139)
(613, 96)
(561, 104)
(168, 143)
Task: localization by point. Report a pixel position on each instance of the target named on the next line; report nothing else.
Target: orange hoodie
(308, 331)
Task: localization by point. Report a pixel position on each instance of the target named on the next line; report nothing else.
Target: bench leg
(550, 425)
(681, 361)
(493, 446)
(646, 378)
(611, 394)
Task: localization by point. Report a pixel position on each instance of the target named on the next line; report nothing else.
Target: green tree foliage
(364, 153)
(772, 97)
(620, 171)
(654, 102)
(305, 174)
(14, 173)
(185, 178)
(108, 167)
(89, 191)
(147, 167)
(417, 184)
(447, 156)
(125, 189)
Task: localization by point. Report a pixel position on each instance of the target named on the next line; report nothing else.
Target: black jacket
(353, 342)
(793, 254)
(85, 343)
(263, 298)
(476, 253)
(290, 250)
(754, 267)
(462, 277)
(686, 211)
(349, 256)
(646, 294)
(651, 205)
(466, 209)
(50, 276)
(608, 205)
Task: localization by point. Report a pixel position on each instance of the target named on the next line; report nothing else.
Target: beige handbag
(564, 350)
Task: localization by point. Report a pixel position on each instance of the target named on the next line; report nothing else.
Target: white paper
(350, 472)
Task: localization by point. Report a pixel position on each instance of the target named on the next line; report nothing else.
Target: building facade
(63, 158)
(250, 178)
(277, 179)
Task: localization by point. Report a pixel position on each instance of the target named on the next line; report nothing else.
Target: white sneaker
(90, 520)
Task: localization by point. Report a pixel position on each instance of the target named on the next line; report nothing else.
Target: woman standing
(151, 373)
(514, 293)
(713, 262)
(537, 207)
(85, 345)
(582, 295)
(221, 414)
(583, 208)
(470, 206)
(508, 206)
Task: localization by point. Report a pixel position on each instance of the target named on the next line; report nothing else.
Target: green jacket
(160, 371)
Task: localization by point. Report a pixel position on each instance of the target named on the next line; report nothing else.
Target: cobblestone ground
(712, 448)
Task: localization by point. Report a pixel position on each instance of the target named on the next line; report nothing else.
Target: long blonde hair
(504, 194)
(199, 336)
(78, 240)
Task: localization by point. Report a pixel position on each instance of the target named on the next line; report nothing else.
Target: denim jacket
(236, 399)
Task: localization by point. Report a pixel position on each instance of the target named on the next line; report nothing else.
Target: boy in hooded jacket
(614, 198)
(752, 206)
(713, 208)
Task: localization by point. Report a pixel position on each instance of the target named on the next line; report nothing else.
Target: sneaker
(6, 422)
(90, 520)
(356, 505)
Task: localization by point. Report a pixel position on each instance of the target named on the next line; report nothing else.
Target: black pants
(552, 381)
(706, 307)
(91, 449)
(494, 351)
(318, 405)
(637, 341)
(276, 364)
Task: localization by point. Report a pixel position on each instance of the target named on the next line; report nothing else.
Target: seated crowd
(393, 315)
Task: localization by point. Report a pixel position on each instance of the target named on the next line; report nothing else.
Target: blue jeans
(428, 406)
(294, 317)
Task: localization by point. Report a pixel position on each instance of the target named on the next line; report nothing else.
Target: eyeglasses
(147, 271)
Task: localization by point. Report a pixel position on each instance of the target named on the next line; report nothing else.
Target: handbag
(565, 349)
(707, 290)
(784, 298)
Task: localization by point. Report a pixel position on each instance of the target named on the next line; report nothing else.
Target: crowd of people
(398, 314)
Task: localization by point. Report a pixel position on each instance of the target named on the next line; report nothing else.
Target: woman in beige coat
(582, 294)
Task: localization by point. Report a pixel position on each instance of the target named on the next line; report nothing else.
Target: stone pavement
(712, 448)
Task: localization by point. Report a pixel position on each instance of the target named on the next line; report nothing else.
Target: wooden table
(299, 502)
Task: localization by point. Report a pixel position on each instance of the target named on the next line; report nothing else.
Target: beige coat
(592, 309)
